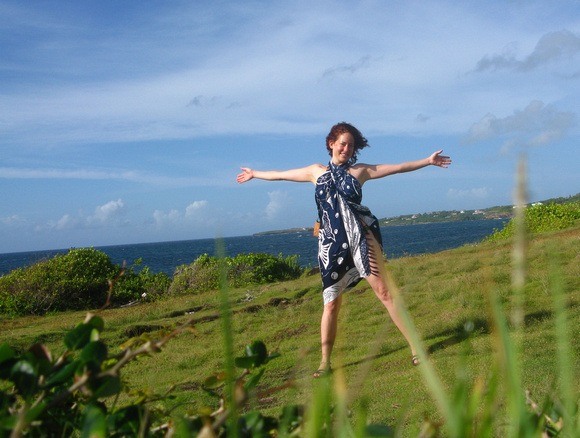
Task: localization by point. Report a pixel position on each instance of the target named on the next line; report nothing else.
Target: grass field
(448, 296)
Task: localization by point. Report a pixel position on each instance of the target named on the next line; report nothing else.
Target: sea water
(166, 256)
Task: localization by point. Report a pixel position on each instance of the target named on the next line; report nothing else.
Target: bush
(72, 395)
(73, 281)
(241, 270)
(143, 285)
(78, 280)
(76, 394)
(543, 218)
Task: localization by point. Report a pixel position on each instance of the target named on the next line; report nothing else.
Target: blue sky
(127, 122)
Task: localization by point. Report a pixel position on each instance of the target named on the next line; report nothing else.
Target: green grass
(444, 293)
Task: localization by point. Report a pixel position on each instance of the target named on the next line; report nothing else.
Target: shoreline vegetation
(490, 213)
(495, 322)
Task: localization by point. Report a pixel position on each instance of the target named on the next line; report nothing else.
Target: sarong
(343, 251)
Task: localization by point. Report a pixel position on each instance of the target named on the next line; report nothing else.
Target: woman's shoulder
(360, 171)
(317, 170)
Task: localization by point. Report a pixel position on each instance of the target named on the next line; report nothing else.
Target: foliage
(242, 270)
(144, 285)
(76, 392)
(72, 394)
(540, 218)
(78, 280)
(252, 423)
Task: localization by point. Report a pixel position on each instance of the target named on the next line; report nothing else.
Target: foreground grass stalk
(508, 368)
(342, 427)
(511, 348)
(564, 352)
(226, 317)
(520, 242)
(426, 368)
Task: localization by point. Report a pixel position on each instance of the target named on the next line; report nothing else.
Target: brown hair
(340, 128)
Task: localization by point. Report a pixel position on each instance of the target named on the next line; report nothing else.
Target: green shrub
(78, 280)
(76, 394)
(543, 218)
(261, 268)
(67, 395)
(241, 270)
(143, 285)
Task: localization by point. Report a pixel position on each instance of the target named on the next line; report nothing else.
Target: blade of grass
(318, 420)
(226, 317)
(563, 350)
(509, 351)
(427, 370)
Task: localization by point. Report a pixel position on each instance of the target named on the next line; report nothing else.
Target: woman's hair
(340, 128)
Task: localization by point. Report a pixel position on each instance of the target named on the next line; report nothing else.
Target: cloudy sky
(127, 122)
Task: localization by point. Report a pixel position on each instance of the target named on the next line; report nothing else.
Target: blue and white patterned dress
(343, 251)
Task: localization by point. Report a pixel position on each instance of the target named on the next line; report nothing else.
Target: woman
(349, 240)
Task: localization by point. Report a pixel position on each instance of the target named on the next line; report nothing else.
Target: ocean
(164, 257)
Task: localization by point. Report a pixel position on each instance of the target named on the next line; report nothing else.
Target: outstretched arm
(303, 174)
(370, 171)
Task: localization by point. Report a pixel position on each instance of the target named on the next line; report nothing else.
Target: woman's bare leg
(328, 329)
(377, 281)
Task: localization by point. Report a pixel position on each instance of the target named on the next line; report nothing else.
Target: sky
(127, 122)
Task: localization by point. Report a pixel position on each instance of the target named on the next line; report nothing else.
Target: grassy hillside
(447, 295)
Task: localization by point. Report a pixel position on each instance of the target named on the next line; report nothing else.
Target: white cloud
(536, 125)
(97, 175)
(195, 207)
(161, 218)
(551, 47)
(12, 220)
(278, 199)
(348, 69)
(104, 215)
(195, 213)
(106, 212)
(66, 222)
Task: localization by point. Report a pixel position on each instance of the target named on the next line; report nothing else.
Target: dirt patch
(207, 318)
(289, 333)
(189, 311)
(138, 330)
(275, 302)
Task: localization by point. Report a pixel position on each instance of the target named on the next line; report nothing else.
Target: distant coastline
(491, 213)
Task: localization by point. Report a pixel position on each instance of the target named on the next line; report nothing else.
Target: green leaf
(84, 333)
(8, 423)
(106, 386)
(78, 337)
(35, 411)
(24, 377)
(245, 362)
(256, 355)
(94, 424)
(6, 353)
(254, 379)
(379, 430)
(96, 322)
(254, 421)
(126, 421)
(258, 352)
(95, 351)
(214, 381)
(64, 374)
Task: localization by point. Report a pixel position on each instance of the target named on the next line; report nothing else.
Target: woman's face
(342, 148)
